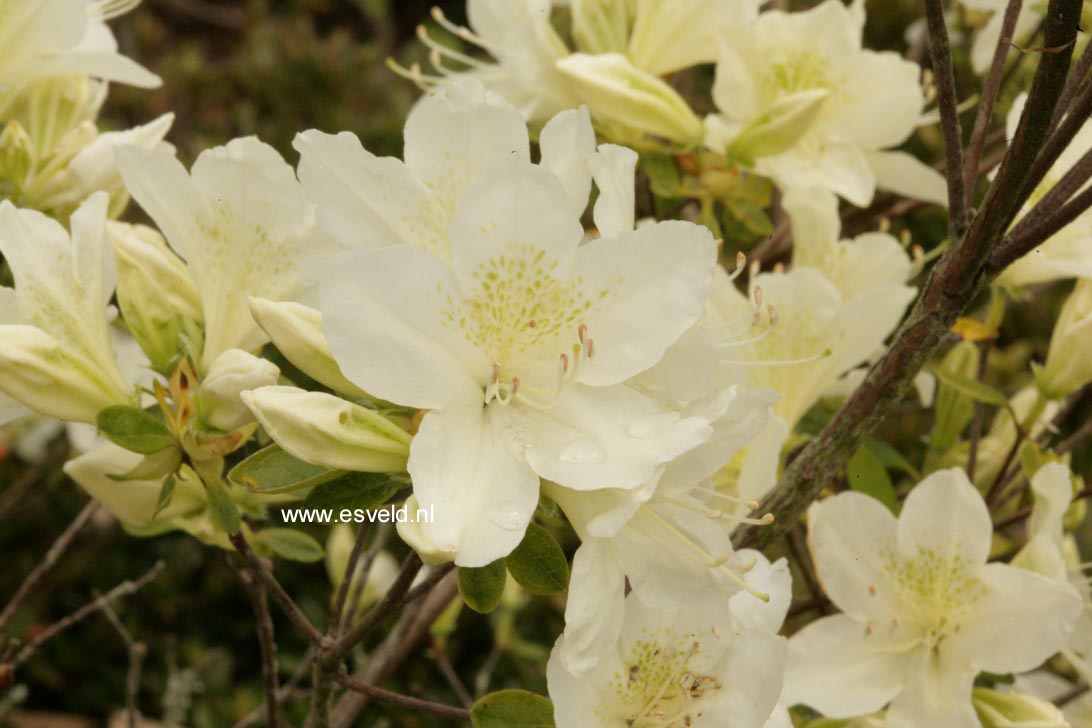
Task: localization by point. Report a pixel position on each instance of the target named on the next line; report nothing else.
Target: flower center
(659, 685)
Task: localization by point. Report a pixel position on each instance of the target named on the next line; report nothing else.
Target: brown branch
(990, 91)
(951, 287)
(261, 570)
(123, 589)
(267, 643)
(391, 602)
(286, 691)
(34, 578)
(395, 648)
(350, 610)
(404, 701)
(947, 99)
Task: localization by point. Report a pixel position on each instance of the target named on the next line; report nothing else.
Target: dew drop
(583, 451)
(507, 515)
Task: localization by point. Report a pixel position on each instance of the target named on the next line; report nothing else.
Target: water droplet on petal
(642, 429)
(507, 515)
(583, 451)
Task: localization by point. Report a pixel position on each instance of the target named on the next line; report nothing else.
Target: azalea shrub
(695, 363)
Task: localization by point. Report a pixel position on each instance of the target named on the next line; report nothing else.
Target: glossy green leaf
(512, 709)
(866, 474)
(272, 470)
(482, 587)
(538, 563)
(290, 544)
(355, 491)
(134, 429)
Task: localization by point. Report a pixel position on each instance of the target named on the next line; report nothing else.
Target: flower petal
(945, 515)
(937, 693)
(482, 495)
(832, 669)
(596, 599)
(398, 296)
(1023, 619)
(566, 143)
(851, 536)
(653, 283)
(365, 201)
(602, 437)
(614, 169)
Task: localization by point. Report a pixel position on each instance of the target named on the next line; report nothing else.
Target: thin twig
(289, 690)
(30, 583)
(990, 91)
(349, 612)
(405, 701)
(443, 662)
(267, 643)
(391, 601)
(411, 627)
(137, 652)
(262, 571)
(123, 589)
(948, 101)
(976, 418)
(347, 579)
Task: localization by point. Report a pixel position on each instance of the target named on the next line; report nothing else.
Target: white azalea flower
(1047, 686)
(818, 334)
(1068, 366)
(54, 156)
(40, 38)
(670, 540)
(240, 221)
(1054, 554)
(693, 666)
(923, 613)
(1068, 253)
(494, 316)
(639, 40)
(847, 105)
(58, 359)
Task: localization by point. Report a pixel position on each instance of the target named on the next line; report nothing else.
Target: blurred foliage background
(273, 68)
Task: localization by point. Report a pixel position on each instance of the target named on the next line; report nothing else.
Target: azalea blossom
(58, 359)
(241, 223)
(1067, 253)
(41, 38)
(669, 540)
(923, 613)
(620, 50)
(1067, 366)
(55, 156)
(807, 105)
(515, 337)
(693, 666)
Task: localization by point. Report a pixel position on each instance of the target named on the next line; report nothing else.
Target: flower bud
(617, 92)
(156, 293)
(133, 502)
(779, 128)
(296, 331)
(1015, 710)
(601, 26)
(416, 538)
(16, 154)
(41, 374)
(325, 430)
(230, 374)
(1068, 365)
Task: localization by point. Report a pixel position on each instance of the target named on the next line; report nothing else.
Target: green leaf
(892, 459)
(165, 494)
(953, 408)
(538, 563)
(291, 544)
(512, 709)
(222, 509)
(663, 175)
(976, 390)
(134, 429)
(866, 474)
(481, 588)
(354, 490)
(272, 470)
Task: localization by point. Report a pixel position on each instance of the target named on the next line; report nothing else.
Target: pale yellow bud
(157, 296)
(325, 430)
(296, 331)
(1069, 365)
(41, 374)
(617, 92)
(1015, 710)
(415, 537)
(779, 128)
(235, 371)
